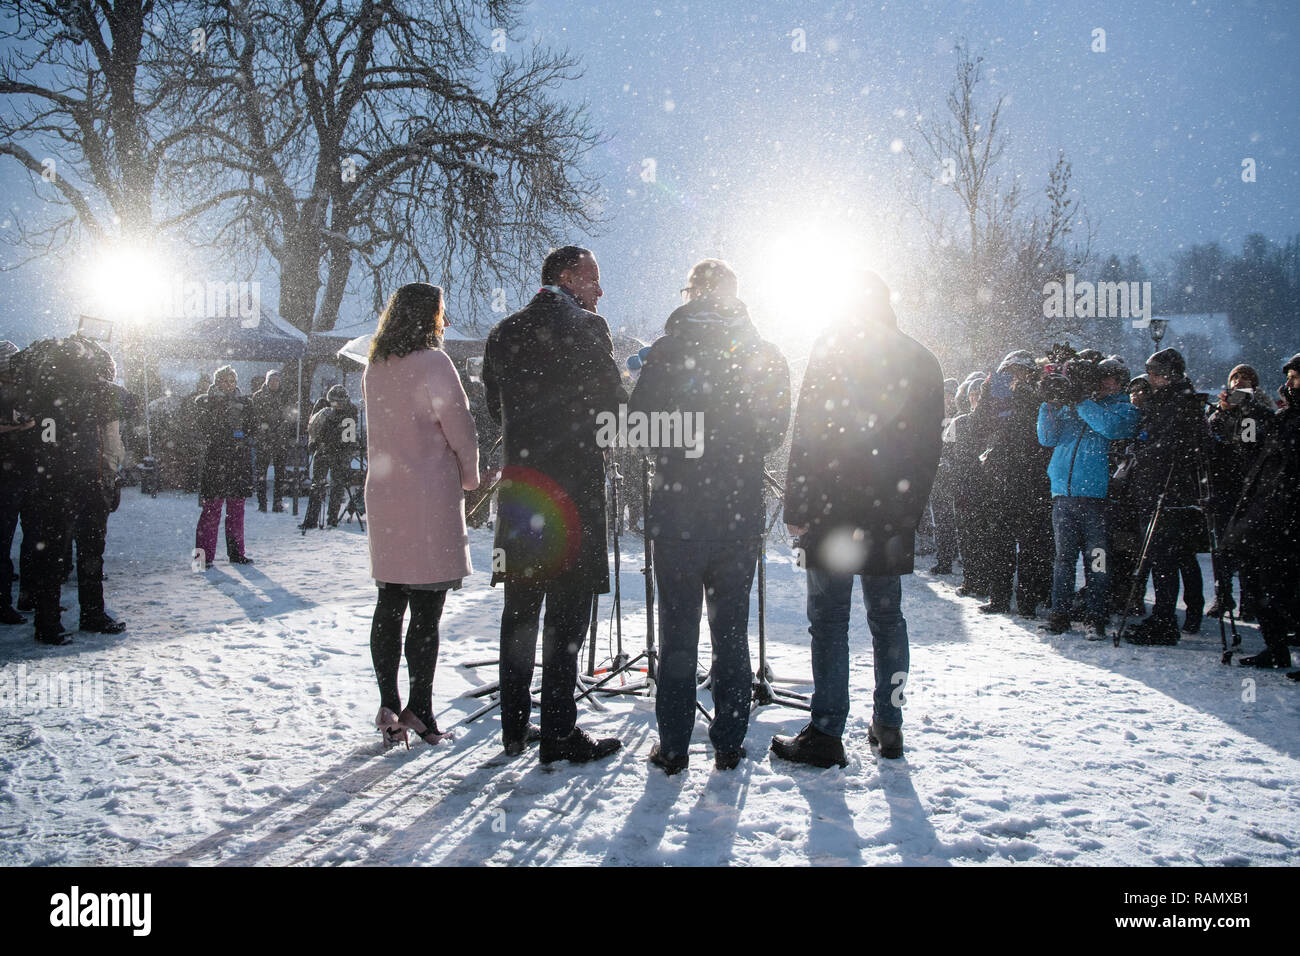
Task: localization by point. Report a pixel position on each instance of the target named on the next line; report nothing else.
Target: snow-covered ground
(231, 724)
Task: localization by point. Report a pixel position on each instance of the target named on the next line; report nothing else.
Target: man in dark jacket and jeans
(707, 507)
(548, 373)
(867, 436)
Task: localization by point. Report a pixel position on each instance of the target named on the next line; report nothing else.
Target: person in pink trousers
(423, 455)
(225, 421)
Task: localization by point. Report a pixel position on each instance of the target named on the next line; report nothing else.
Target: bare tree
(988, 255)
(88, 89)
(386, 134)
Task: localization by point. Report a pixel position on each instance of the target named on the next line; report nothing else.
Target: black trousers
(1172, 555)
(973, 536)
(568, 611)
(421, 646)
(11, 501)
(328, 472)
(270, 457)
(48, 514)
(90, 532)
(1021, 548)
(944, 515)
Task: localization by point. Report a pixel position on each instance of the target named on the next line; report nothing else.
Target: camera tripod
(1205, 502)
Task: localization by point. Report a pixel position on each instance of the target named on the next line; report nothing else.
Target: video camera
(1069, 382)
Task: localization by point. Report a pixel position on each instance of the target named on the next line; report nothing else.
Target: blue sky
(752, 140)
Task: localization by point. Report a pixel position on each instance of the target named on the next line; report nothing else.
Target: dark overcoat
(548, 373)
(866, 444)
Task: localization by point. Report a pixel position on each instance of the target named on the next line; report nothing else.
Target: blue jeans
(688, 573)
(829, 598)
(1079, 524)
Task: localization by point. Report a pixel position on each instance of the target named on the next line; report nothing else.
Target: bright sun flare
(126, 283)
(801, 278)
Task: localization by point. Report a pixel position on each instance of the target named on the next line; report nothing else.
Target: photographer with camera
(333, 437)
(1264, 533)
(1014, 471)
(1173, 438)
(1084, 410)
(1242, 424)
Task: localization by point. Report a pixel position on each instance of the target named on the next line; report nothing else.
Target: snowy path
(234, 728)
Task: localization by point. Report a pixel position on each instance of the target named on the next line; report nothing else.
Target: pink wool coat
(423, 451)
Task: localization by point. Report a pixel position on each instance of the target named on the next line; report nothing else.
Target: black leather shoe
(55, 640)
(102, 624)
(1191, 623)
(240, 559)
(812, 747)
(996, 607)
(578, 747)
(1154, 631)
(669, 765)
(9, 616)
(1056, 623)
(729, 759)
(514, 748)
(1269, 657)
(888, 740)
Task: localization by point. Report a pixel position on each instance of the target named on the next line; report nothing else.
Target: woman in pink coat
(423, 453)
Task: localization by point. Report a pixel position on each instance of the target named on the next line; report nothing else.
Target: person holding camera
(1263, 535)
(1172, 439)
(333, 438)
(1241, 424)
(1079, 420)
(1014, 469)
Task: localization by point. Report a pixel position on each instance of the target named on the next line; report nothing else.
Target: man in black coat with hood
(707, 509)
(548, 372)
(1172, 440)
(1264, 533)
(867, 436)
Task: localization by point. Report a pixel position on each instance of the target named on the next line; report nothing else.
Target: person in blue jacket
(1080, 476)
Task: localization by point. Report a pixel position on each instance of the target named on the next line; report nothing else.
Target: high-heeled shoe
(390, 725)
(430, 735)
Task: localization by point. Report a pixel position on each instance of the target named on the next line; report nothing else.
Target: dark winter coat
(226, 424)
(867, 436)
(1231, 456)
(273, 418)
(548, 372)
(712, 361)
(1172, 437)
(1013, 463)
(1266, 520)
(335, 433)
